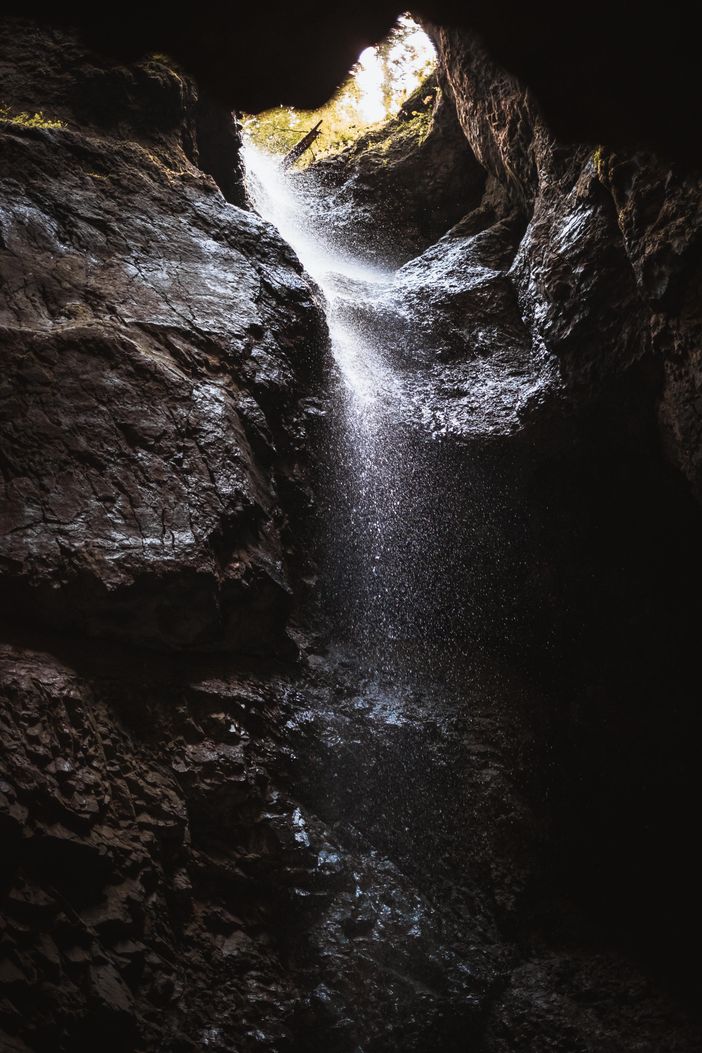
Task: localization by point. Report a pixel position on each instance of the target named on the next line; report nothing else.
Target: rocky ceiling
(607, 72)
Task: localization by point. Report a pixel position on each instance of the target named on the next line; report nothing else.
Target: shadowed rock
(154, 339)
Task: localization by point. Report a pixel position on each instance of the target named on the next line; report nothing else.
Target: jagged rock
(657, 208)
(607, 272)
(454, 314)
(204, 892)
(219, 147)
(154, 339)
(590, 314)
(397, 189)
(586, 1005)
(497, 114)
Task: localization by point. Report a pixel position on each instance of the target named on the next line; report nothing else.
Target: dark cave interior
(609, 75)
(183, 740)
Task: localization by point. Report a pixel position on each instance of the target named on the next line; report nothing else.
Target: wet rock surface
(186, 863)
(606, 272)
(397, 189)
(474, 370)
(154, 344)
(227, 857)
(147, 854)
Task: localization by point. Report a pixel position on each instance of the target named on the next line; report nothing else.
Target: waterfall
(400, 516)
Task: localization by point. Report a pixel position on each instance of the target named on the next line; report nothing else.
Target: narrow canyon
(350, 532)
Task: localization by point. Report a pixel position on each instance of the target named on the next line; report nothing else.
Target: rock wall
(398, 188)
(608, 269)
(558, 321)
(154, 340)
(124, 919)
(156, 345)
(606, 275)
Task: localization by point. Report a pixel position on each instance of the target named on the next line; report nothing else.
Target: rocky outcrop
(398, 188)
(154, 343)
(157, 342)
(219, 147)
(587, 1003)
(657, 209)
(605, 276)
(497, 114)
(178, 875)
(609, 77)
(453, 313)
(172, 876)
(572, 273)
(606, 270)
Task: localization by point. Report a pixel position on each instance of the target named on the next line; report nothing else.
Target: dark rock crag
(606, 274)
(558, 321)
(155, 342)
(606, 77)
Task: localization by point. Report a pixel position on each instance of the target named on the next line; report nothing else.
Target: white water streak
(345, 282)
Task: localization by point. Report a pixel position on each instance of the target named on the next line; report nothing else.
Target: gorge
(350, 565)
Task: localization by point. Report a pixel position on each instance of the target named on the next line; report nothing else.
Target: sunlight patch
(378, 84)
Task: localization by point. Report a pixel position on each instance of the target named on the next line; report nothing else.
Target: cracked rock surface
(154, 340)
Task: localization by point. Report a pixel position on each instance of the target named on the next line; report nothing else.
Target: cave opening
(377, 87)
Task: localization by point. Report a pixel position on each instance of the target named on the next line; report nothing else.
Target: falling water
(399, 739)
(400, 515)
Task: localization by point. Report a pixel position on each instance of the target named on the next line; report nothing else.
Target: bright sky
(382, 79)
(408, 60)
(369, 77)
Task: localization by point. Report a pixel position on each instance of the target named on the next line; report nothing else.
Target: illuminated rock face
(207, 843)
(606, 273)
(400, 187)
(154, 338)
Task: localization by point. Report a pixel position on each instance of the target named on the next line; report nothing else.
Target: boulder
(154, 342)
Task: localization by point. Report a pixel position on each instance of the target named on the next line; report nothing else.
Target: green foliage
(598, 161)
(29, 120)
(279, 129)
(275, 130)
(407, 60)
(400, 62)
